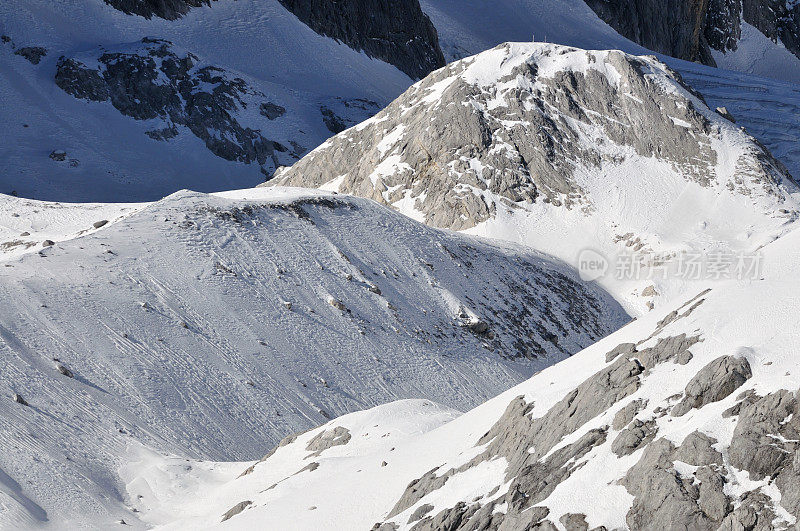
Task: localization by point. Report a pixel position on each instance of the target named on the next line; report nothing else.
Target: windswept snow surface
(353, 488)
(211, 326)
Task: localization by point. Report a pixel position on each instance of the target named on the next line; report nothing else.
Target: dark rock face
(671, 27)
(777, 19)
(154, 82)
(168, 9)
(397, 32)
(33, 54)
(691, 29)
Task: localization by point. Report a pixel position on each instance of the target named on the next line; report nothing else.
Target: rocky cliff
(396, 32)
(671, 27)
(690, 29)
(779, 20)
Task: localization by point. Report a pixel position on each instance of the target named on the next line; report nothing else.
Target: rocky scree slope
(212, 326)
(684, 419)
(532, 142)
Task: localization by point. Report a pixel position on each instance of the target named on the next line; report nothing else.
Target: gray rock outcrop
(458, 147)
(155, 81)
(667, 499)
(168, 9)
(325, 439)
(536, 462)
(776, 19)
(33, 54)
(714, 382)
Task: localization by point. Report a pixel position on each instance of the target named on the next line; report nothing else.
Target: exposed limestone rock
(19, 400)
(625, 415)
(624, 348)
(534, 472)
(776, 19)
(421, 511)
(33, 54)
(697, 450)
(458, 146)
(271, 111)
(328, 439)
(663, 499)
(286, 440)
(574, 522)
(674, 348)
(714, 382)
(766, 437)
(755, 513)
(58, 155)
(65, 371)
(726, 114)
(236, 509)
(154, 81)
(397, 32)
(634, 437)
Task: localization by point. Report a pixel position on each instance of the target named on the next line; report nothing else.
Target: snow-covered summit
(563, 149)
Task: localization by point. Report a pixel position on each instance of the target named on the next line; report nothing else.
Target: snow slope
(768, 109)
(212, 326)
(259, 41)
(650, 451)
(565, 151)
(757, 54)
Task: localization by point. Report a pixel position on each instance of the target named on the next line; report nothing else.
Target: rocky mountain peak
(532, 123)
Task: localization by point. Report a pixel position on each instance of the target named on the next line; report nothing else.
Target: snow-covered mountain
(565, 150)
(684, 419)
(212, 326)
(154, 346)
(257, 83)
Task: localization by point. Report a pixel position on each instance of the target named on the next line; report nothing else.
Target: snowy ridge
(552, 147)
(211, 326)
(696, 427)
